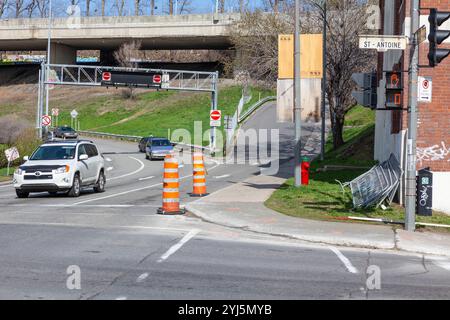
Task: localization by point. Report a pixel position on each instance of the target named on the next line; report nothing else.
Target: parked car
(143, 144)
(66, 166)
(158, 148)
(65, 132)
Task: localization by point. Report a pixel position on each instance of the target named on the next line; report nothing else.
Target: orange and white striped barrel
(171, 187)
(199, 175)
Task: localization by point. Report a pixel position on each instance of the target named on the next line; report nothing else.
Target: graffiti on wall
(433, 153)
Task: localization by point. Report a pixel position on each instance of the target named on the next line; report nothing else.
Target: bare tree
(185, 6)
(3, 7)
(171, 7)
(42, 7)
(152, 7)
(346, 20)
(19, 7)
(221, 6)
(127, 56)
(137, 7)
(88, 8)
(119, 6)
(255, 38)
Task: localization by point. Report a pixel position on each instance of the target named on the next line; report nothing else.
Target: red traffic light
(157, 78)
(106, 76)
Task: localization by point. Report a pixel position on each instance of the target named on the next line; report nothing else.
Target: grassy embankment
(323, 199)
(153, 113)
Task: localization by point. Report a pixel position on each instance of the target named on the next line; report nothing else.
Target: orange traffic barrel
(171, 187)
(199, 175)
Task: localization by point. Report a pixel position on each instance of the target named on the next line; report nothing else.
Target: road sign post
(11, 154)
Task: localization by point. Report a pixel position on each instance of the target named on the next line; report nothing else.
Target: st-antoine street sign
(383, 43)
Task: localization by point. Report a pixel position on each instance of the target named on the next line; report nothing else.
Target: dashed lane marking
(147, 178)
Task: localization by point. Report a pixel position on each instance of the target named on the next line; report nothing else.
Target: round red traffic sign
(216, 115)
(425, 84)
(106, 76)
(157, 78)
(46, 121)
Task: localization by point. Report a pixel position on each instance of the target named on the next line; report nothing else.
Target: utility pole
(410, 204)
(47, 70)
(297, 97)
(324, 80)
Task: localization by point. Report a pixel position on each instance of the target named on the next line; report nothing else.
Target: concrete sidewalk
(242, 206)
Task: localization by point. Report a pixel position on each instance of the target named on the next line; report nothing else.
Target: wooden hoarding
(311, 56)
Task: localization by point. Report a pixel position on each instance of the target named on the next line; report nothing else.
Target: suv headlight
(64, 169)
(19, 172)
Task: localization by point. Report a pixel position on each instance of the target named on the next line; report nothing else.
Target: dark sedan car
(65, 133)
(143, 144)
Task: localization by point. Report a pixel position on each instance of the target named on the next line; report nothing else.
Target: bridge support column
(62, 54)
(107, 58)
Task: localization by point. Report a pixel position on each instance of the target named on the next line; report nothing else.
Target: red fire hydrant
(305, 171)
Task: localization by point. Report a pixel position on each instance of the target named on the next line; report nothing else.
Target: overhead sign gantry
(159, 79)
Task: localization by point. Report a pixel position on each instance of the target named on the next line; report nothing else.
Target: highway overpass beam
(62, 54)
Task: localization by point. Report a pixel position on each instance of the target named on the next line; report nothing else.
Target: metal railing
(258, 104)
(124, 137)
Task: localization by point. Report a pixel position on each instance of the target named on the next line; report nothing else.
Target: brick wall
(433, 138)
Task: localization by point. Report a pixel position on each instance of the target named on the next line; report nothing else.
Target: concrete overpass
(108, 33)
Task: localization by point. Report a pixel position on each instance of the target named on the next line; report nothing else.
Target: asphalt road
(124, 250)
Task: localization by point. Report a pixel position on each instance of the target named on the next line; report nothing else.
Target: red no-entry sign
(46, 121)
(157, 78)
(216, 118)
(106, 76)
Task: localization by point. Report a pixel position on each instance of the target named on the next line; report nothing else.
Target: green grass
(3, 172)
(323, 199)
(153, 113)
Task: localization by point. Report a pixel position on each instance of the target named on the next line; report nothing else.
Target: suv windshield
(67, 129)
(54, 153)
(161, 143)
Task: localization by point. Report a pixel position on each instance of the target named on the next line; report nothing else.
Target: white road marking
(344, 260)
(109, 168)
(131, 191)
(177, 246)
(131, 173)
(121, 298)
(142, 277)
(148, 178)
(108, 159)
(222, 177)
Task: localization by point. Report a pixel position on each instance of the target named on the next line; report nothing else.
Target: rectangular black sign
(131, 79)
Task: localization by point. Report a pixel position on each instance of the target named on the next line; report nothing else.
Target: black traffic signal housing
(367, 84)
(436, 37)
(394, 90)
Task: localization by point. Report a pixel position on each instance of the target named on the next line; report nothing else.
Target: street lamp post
(297, 96)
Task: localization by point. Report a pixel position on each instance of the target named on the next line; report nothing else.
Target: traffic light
(394, 90)
(436, 37)
(366, 95)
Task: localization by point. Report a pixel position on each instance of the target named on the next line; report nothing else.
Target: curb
(342, 243)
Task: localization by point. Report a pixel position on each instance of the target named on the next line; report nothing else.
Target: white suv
(61, 166)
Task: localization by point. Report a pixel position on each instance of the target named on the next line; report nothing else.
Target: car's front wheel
(22, 194)
(100, 186)
(75, 191)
